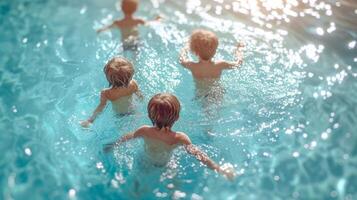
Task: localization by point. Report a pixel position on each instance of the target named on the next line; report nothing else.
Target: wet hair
(203, 43)
(119, 72)
(163, 110)
(129, 6)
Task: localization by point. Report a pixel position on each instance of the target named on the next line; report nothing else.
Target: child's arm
(238, 54)
(138, 133)
(184, 61)
(144, 22)
(202, 157)
(97, 111)
(106, 27)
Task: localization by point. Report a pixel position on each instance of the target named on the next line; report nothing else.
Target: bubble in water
(178, 195)
(332, 28)
(28, 151)
(336, 125)
(289, 131)
(99, 165)
(196, 197)
(352, 44)
(324, 136)
(14, 109)
(313, 144)
(72, 193)
(296, 154)
(276, 178)
(320, 31)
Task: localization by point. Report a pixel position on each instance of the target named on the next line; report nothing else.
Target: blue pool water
(287, 119)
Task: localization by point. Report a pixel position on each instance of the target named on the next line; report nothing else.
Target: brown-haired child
(160, 140)
(203, 44)
(119, 73)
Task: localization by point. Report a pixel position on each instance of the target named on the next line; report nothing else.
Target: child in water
(119, 73)
(204, 44)
(128, 26)
(160, 140)
(206, 72)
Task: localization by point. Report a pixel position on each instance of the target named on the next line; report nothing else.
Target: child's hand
(85, 123)
(228, 171)
(108, 147)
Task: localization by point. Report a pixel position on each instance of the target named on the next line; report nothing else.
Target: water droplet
(99, 165)
(72, 193)
(320, 31)
(352, 44)
(276, 178)
(313, 144)
(28, 151)
(296, 154)
(14, 109)
(289, 131)
(178, 195)
(324, 135)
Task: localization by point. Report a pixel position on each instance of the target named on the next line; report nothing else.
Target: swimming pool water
(287, 118)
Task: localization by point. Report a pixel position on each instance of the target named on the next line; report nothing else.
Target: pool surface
(286, 119)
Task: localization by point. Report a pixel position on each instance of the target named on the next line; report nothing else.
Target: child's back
(121, 98)
(159, 144)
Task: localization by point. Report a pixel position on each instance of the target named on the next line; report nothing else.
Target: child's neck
(164, 129)
(205, 61)
(128, 17)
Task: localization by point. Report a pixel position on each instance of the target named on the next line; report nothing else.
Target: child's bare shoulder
(143, 129)
(133, 86)
(183, 138)
(105, 91)
(190, 64)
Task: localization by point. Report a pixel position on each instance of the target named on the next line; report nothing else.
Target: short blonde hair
(119, 72)
(203, 43)
(164, 110)
(129, 6)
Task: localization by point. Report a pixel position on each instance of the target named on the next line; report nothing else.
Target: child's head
(164, 110)
(203, 43)
(119, 72)
(129, 6)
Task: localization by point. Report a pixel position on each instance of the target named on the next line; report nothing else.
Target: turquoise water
(287, 118)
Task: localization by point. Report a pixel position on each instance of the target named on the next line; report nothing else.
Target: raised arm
(202, 157)
(184, 61)
(238, 58)
(138, 133)
(97, 111)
